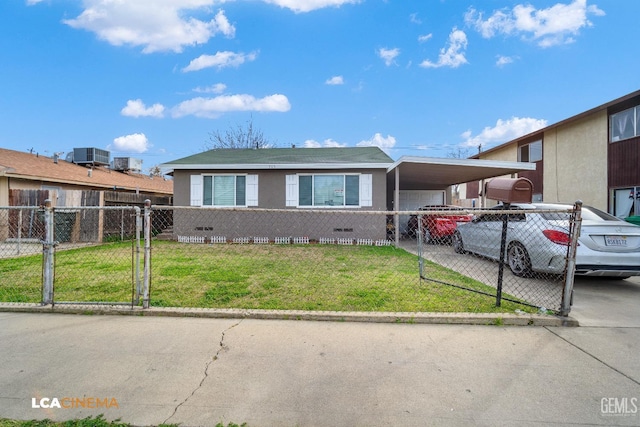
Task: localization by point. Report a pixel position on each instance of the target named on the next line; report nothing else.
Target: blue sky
(151, 79)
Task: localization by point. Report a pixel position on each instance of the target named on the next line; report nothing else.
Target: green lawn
(282, 277)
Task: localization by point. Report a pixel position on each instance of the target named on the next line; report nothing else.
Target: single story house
(593, 156)
(29, 178)
(324, 191)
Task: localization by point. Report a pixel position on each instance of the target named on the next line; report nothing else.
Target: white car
(537, 242)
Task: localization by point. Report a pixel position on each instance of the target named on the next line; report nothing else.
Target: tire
(456, 241)
(519, 261)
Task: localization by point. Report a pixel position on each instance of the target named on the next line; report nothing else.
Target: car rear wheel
(519, 261)
(456, 241)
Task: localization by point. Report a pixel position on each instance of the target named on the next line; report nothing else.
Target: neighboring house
(28, 179)
(305, 184)
(593, 156)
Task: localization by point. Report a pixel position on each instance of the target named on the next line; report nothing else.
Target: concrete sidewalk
(201, 371)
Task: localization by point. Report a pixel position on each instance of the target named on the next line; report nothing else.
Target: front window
(329, 190)
(530, 153)
(224, 190)
(624, 125)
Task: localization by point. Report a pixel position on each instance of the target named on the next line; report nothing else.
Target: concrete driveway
(606, 303)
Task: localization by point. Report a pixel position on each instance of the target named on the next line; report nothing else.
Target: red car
(437, 227)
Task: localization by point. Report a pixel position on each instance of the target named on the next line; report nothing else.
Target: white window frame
(635, 124)
(365, 191)
(197, 190)
(528, 146)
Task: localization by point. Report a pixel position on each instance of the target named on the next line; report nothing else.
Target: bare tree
(155, 171)
(458, 153)
(238, 137)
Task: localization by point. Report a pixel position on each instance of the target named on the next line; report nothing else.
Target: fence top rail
(461, 211)
(98, 208)
(20, 207)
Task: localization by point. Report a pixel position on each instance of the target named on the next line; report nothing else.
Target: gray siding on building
(252, 223)
(295, 222)
(272, 185)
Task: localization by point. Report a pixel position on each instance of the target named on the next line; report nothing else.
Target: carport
(411, 173)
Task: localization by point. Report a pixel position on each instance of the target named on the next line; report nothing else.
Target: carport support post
(396, 208)
(47, 252)
(147, 253)
(567, 292)
(503, 243)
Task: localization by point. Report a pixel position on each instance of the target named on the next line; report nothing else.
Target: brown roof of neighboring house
(41, 168)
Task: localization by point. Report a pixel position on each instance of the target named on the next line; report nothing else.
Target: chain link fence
(69, 255)
(328, 260)
(522, 254)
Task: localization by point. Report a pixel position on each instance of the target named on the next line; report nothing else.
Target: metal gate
(71, 255)
(508, 255)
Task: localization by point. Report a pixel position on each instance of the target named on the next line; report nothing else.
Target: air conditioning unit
(127, 164)
(90, 156)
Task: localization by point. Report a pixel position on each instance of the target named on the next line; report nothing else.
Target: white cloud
(32, 2)
(453, 55)
(134, 143)
(214, 107)
(388, 55)
(413, 18)
(425, 37)
(300, 6)
(503, 131)
(216, 88)
(220, 60)
(136, 108)
(504, 60)
(552, 26)
(378, 140)
(335, 80)
(157, 26)
(311, 143)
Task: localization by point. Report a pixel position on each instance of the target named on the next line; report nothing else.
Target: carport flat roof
(439, 173)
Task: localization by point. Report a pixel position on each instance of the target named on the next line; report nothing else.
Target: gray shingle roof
(285, 156)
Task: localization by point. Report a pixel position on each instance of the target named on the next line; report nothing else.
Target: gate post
(48, 254)
(147, 252)
(567, 291)
(137, 254)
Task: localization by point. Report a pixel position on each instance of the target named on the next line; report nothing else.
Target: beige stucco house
(593, 156)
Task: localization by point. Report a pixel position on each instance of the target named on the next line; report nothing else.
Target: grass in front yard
(280, 277)
(307, 277)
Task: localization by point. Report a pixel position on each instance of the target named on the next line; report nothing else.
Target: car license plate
(615, 240)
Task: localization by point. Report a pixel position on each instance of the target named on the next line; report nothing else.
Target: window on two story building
(531, 152)
(625, 124)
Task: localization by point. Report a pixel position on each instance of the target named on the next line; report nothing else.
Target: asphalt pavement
(203, 371)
